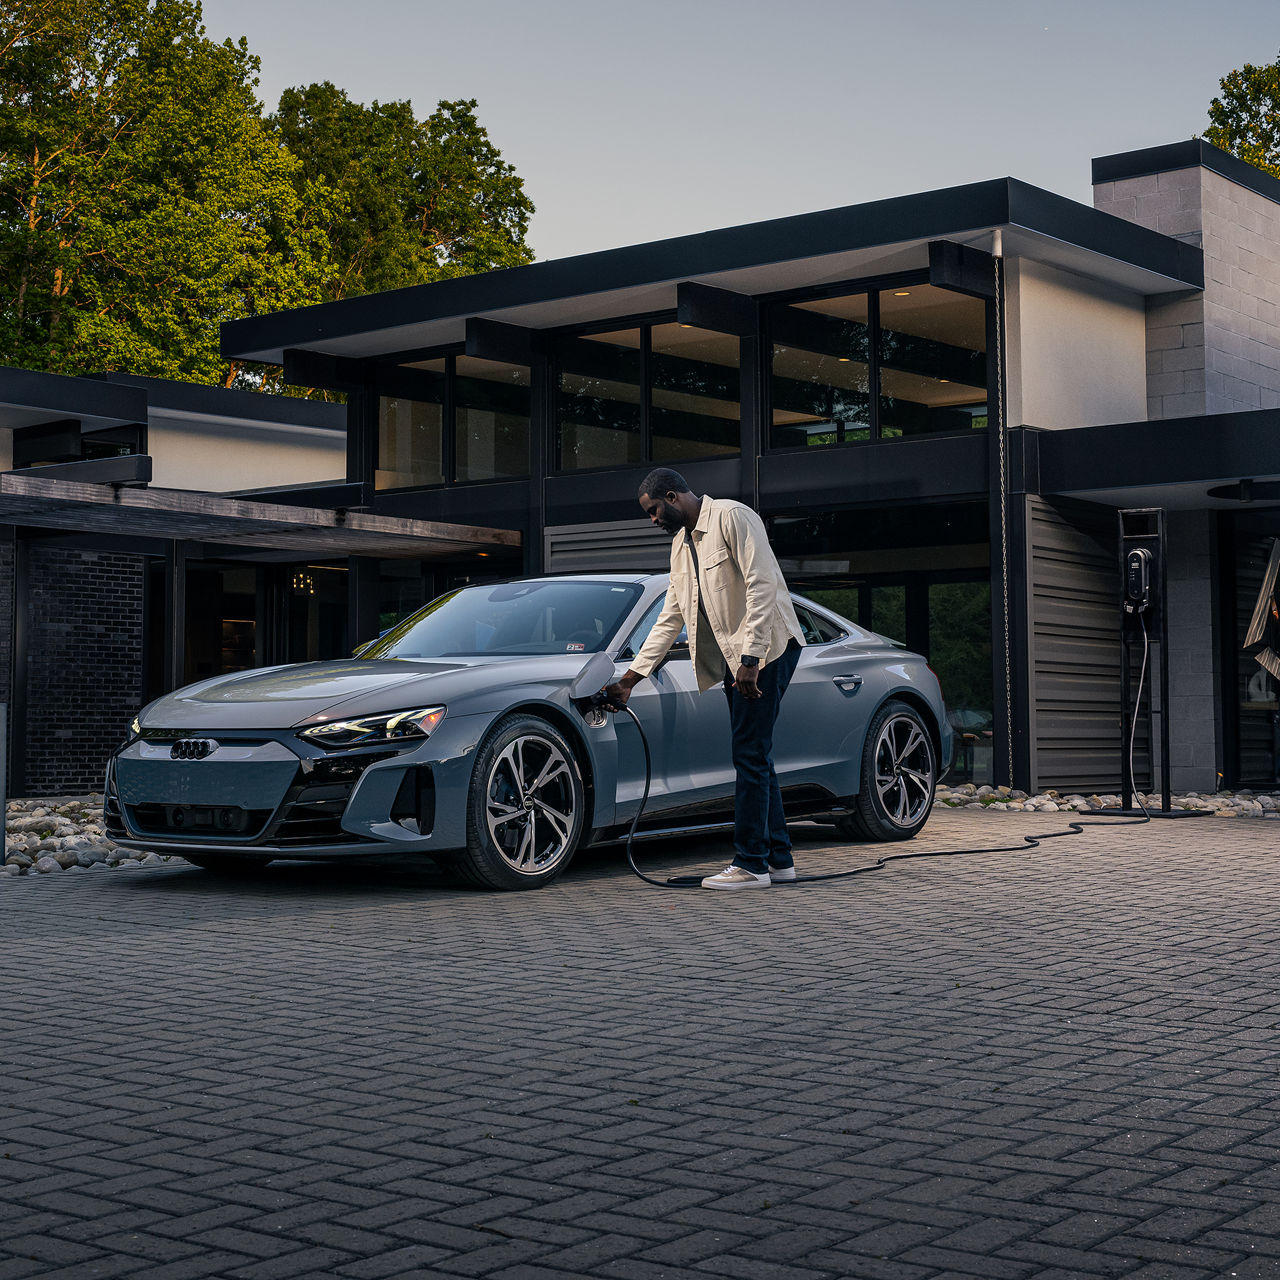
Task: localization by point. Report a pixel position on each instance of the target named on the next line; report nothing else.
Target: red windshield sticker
(571, 647)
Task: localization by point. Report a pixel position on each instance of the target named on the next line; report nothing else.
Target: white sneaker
(781, 875)
(737, 878)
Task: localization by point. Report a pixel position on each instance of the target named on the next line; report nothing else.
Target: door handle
(847, 684)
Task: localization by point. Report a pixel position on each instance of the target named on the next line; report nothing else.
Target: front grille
(197, 819)
(313, 807)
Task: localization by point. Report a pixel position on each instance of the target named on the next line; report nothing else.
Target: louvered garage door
(630, 546)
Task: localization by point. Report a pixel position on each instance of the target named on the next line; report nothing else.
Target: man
(728, 593)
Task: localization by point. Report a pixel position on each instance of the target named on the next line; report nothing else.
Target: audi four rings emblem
(192, 748)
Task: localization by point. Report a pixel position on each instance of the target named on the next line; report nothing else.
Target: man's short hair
(662, 481)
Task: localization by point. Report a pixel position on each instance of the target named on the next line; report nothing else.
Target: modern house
(938, 402)
(129, 564)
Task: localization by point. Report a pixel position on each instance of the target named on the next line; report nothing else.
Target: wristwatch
(748, 661)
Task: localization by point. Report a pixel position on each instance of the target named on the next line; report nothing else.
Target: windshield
(512, 618)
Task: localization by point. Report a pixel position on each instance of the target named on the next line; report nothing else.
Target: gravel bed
(66, 833)
(1222, 804)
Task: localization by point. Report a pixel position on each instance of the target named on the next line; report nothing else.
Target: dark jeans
(759, 825)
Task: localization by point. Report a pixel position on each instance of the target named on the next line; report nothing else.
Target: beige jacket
(745, 597)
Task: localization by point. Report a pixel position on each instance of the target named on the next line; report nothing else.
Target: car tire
(899, 776)
(525, 809)
(227, 866)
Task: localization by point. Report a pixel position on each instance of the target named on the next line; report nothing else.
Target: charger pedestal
(1142, 530)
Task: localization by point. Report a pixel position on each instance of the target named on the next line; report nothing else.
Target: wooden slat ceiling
(198, 517)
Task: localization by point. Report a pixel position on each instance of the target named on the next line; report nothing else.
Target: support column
(362, 601)
(175, 615)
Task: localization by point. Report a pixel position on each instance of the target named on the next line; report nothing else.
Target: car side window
(680, 649)
(816, 628)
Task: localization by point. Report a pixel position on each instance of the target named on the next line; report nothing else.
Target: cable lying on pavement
(695, 882)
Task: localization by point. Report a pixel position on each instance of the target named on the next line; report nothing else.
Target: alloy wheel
(531, 807)
(904, 770)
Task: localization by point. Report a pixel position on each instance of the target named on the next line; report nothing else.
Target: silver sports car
(461, 735)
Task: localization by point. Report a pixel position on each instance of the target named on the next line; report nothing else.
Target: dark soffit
(1201, 449)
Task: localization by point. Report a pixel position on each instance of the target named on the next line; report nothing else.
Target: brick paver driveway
(1058, 1063)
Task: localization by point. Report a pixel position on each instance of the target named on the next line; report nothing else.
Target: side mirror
(593, 677)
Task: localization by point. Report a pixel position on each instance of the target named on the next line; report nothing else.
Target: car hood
(284, 697)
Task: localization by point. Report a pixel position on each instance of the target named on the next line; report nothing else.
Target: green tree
(422, 200)
(1245, 120)
(142, 199)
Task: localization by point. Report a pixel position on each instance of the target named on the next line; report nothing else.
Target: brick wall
(84, 664)
(1216, 351)
(6, 630)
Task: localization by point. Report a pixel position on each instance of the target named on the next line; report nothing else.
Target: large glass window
(491, 419)
(904, 361)
(660, 393)
(411, 431)
(452, 418)
(821, 372)
(693, 394)
(600, 380)
(933, 361)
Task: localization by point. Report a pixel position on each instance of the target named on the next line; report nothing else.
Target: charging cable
(1027, 842)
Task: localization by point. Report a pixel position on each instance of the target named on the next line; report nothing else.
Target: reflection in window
(933, 361)
(694, 392)
(959, 650)
(930, 366)
(491, 412)
(410, 432)
(889, 612)
(821, 371)
(599, 399)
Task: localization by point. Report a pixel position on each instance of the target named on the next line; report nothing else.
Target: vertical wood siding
(1074, 648)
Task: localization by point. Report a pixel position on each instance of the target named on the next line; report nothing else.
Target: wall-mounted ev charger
(1137, 580)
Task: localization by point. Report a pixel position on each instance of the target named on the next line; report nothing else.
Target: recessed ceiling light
(843, 359)
(903, 293)
(944, 379)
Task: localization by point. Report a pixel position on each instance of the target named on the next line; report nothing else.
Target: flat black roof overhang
(1176, 463)
(805, 250)
(29, 399)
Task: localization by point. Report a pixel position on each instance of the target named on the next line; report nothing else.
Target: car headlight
(135, 727)
(396, 727)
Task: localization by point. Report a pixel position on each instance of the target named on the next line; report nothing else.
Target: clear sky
(634, 120)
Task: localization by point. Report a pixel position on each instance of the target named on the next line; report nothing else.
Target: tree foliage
(144, 199)
(422, 200)
(1245, 119)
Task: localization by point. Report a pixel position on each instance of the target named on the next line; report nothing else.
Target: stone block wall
(84, 664)
(1216, 351)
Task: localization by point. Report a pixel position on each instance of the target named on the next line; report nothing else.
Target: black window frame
(396, 365)
(872, 286)
(645, 323)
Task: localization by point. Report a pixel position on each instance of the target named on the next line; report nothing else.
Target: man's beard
(669, 521)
